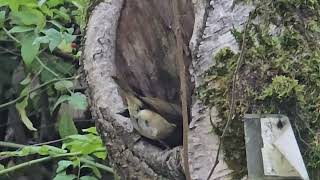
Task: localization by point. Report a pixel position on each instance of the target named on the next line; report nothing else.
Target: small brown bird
(153, 118)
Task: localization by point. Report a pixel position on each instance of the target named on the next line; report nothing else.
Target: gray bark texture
(134, 39)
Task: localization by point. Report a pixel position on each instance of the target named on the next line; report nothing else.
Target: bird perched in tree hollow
(153, 118)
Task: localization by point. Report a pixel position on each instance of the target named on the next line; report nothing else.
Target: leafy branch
(33, 90)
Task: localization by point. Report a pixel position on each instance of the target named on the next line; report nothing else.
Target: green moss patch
(280, 73)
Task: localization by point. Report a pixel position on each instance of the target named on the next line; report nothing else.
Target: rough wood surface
(146, 46)
(213, 22)
(132, 157)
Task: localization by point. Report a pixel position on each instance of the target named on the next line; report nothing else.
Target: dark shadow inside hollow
(146, 47)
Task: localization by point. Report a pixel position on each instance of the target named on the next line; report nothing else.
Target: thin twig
(79, 171)
(49, 142)
(35, 161)
(37, 58)
(98, 165)
(10, 35)
(46, 67)
(232, 103)
(83, 160)
(9, 51)
(33, 90)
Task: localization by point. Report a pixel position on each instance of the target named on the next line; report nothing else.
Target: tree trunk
(134, 39)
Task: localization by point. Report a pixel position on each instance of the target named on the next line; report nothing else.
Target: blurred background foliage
(43, 107)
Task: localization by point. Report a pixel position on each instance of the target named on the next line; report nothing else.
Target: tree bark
(134, 39)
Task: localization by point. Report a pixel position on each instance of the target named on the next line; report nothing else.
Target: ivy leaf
(61, 99)
(62, 13)
(22, 111)
(86, 144)
(78, 101)
(63, 85)
(68, 37)
(28, 16)
(62, 165)
(88, 178)
(92, 130)
(47, 11)
(53, 3)
(94, 169)
(65, 47)
(64, 177)
(29, 50)
(20, 29)
(43, 150)
(101, 155)
(52, 36)
(41, 2)
(66, 125)
(26, 80)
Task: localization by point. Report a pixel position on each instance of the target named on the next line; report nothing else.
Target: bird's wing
(170, 111)
(124, 86)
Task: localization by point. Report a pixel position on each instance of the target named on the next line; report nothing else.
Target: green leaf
(62, 165)
(52, 36)
(63, 85)
(61, 99)
(62, 13)
(26, 80)
(29, 50)
(20, 29)
(94, 169)
(68, 37)
(101, 155)
(41, 2)
(66, 125)
(47, 11)
(88, 178)
(65, 47)
(28, 16)
(22, 111)
(55, 38)
(3, 3)
(53, 3)
(86, 144)
(78, 101)
(43, 150)
(56, 23)
(28, 150)
(64, 177)
(2, 18)
(92, 130)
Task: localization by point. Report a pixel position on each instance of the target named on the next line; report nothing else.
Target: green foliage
(66, 125)
(39, 25)
(33, 34)
(77, 100)
(21, 107)
(280, 73)
(283, 87)
(82, 151)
